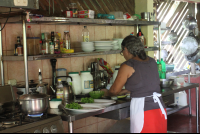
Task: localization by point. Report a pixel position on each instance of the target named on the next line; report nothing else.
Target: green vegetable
(73, 106)
(123, 96)
(87, 100)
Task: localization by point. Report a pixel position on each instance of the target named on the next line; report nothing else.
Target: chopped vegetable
(73, 106)
(87, 100)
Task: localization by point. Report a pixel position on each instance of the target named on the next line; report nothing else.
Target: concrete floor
(176, 124)
(181, 123)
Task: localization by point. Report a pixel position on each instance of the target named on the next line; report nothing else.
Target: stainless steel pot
(190, 23)
(34, 103)
(190, 48)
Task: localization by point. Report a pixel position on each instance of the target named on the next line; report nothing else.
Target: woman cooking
(139, 74)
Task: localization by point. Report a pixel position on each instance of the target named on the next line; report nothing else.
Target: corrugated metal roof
(99, 6)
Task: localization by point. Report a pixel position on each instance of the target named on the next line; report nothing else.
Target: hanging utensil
(172, 37)
(190, 48)
(190, 23)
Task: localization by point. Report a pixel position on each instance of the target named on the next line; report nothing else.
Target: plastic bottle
(29, 33)
(41, 88)
(85, 34)
(159, 68)
(59, 88)
(163, 75)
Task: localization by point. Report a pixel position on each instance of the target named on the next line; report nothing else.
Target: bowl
(87, 50)
(115, 47)
(54, 103)
(87, 44)
(166, 82)
(96, 94)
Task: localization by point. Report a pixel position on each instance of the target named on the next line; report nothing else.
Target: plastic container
(180, 98)
(86, 82)
(62, 72)
(117, 14)
(76, 83)
(54, 103)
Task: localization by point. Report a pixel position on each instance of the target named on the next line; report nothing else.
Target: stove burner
(35, 115)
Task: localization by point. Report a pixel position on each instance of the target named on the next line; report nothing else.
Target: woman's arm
(124, 73)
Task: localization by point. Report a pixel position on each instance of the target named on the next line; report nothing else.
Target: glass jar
(66, 40)
(73, 7)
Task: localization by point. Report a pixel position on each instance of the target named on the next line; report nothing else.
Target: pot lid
(33, 95)
(189, 45)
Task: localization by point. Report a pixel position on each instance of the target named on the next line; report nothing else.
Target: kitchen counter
(121, 106)
(71, 116)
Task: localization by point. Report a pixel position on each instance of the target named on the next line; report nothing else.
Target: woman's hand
(106, 92)
(124, 92)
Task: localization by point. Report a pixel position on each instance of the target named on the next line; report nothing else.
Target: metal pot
(190, 23)
(34, 103)
(172, 37)
(190, 48)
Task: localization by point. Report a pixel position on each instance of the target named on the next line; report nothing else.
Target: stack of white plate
(87, 46)
(103, 45)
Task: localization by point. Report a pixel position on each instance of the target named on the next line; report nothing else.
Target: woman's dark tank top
(144, 81)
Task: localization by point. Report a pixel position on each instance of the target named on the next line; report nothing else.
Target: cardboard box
(90, 16)
(86, 12)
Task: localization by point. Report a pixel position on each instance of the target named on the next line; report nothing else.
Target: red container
(69, 14)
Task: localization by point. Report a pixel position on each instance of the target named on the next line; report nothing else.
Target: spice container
(74, 9)
(69, 14)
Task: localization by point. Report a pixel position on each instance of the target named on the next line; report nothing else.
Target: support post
(25, 57)
(1, 54)
(189, 91)
(70, 125)
(159, 39)
(197, 108)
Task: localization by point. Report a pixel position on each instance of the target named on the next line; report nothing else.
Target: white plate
(102, 102)
(99, 50)
(102, 45)
(103, 41)
(88, 108)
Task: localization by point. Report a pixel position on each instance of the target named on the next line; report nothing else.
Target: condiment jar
(73, 7)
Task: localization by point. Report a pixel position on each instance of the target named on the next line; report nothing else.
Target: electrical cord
(6, 20)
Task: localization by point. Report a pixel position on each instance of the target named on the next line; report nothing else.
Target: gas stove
(17, 122)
